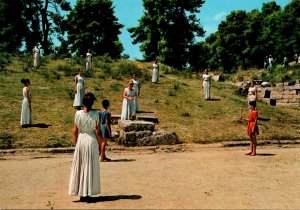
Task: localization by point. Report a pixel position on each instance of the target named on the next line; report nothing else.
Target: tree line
(167, 31)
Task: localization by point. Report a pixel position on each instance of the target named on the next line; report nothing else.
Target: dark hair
(252, 103)
(79, 69)
(105, 103)
(88, 100)
(25, 81)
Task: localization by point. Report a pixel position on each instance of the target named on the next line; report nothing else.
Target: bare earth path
(200, 177)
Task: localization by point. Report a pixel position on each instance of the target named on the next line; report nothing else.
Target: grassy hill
(177, 101)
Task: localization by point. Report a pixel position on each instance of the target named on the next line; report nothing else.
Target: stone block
(148, 138)
(114, 119)
(218, 78)
(137, 125)
(287, 96)
(148, 119)
(279, 84)
(265, 84)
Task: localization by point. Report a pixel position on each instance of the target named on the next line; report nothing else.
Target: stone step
(136, 125)
(115, 118)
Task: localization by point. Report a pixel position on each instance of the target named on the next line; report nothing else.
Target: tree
(12, 25)
(254, 51)
(232, 40)
(92, 25)
(168, 30)
(44, 19)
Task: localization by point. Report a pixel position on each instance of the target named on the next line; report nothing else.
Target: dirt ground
(196, 177)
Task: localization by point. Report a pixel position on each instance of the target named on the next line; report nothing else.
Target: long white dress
(80, 91)
(88, 64)
(206, 85)
(128, 107)
(85, 171)
(26, 113)
(136, 84)
(155, 75)
(36, 61)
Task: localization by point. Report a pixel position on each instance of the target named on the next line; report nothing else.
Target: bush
(6, 141)
(172, 92)
(186, 114)
(115, 87)
(127, 69)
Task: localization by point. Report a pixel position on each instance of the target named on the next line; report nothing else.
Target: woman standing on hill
(128, 108)
(206, 84)
(155, 75)
(85, 171)
(137, 87)
(26, 104)
(88, 60)
(78, 89)
(36, 56)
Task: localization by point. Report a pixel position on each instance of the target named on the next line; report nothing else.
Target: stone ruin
(142, 132)
(281, 94)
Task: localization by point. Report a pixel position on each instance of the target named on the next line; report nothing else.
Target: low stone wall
(282, 93)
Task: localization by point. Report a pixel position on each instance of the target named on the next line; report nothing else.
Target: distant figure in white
(79, 89)
(26, 104)
(155, 75)
(128, 108)
(88, 60)
(137, 87)
(36, 56)
(252, 92)
(271, 63)
(206, 84)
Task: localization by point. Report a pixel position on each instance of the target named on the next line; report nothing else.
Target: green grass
(184, 110)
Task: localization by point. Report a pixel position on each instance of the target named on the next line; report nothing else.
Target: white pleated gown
(25, 113)
(88, 64)
(79, 91)
(206, 85)
(36, 61)
(128, 107)
(85, 171)
(155, 74)
(136, 84)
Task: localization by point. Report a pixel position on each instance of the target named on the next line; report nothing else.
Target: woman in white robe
(88, 60)
(79, 89)
(206, 84)
(26, 119)
(36, 57)
(85, 170)
(155, 74)
(128, 108)
(137, 87)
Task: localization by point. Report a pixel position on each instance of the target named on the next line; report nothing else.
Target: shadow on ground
(265, 154)
(37, 125)
(111, 198)
(123, 160)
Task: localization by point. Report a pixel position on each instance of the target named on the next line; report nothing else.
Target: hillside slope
(177, 101)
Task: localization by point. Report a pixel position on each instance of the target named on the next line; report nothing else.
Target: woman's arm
(125, 96)
(98, 135)
(108, 126)
(75, 134)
